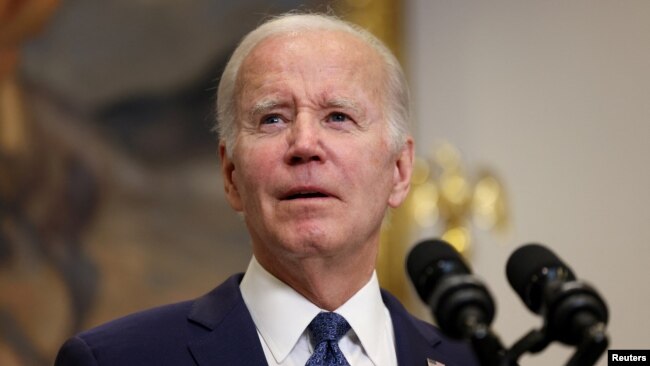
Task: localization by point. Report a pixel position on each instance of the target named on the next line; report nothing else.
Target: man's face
(312, 169)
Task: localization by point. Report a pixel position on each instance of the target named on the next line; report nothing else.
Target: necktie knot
(325, 330)
(328, 327)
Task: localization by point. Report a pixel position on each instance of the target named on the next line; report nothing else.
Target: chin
(310, 243)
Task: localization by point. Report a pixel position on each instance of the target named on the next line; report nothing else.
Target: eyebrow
(345, 104)
(263, 106)
(266, 105)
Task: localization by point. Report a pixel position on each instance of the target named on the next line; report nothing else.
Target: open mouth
(299, 195)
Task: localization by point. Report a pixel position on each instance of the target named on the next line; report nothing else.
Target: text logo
(628, 357)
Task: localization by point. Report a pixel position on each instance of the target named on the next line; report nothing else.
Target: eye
(338, 117)
(271, 119)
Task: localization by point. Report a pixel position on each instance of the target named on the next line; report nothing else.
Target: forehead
(333, 59)
(318, 41)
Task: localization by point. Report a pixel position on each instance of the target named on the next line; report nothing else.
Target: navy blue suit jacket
(218, 330)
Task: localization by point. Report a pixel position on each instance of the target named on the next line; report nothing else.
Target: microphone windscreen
(529, 261)
(429, 261)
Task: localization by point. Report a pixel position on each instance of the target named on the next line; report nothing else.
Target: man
(314, 148)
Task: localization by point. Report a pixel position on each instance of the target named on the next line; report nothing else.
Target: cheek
(371, 173)
(255, 170)
(382, 175)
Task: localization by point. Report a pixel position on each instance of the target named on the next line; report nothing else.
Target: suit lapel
(228, 335)
(414, 342)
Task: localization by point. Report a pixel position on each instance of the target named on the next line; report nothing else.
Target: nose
(305, 141)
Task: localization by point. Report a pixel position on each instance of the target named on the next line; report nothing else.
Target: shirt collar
(367, 316)
(281, 314)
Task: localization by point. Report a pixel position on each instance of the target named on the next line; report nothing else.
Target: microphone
(574, 313)
(460, 303)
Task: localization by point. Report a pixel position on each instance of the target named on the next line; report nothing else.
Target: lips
(306, 193)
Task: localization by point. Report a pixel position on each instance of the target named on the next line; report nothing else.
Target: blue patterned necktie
(325, 331)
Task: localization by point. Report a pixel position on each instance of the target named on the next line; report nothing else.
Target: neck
(327, 282)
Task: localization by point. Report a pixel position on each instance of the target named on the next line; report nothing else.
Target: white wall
(555, 96)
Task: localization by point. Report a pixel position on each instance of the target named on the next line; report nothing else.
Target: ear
(227, 172)
(402, 174)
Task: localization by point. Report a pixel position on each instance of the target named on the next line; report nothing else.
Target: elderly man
(312, 116)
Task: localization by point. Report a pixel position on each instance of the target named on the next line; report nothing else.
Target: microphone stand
(587, 353)
(487, 346)
(534, 341)
(594, 345)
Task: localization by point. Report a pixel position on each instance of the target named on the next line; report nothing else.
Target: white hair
(396, 89)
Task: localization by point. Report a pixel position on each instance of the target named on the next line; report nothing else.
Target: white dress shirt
(281, 316)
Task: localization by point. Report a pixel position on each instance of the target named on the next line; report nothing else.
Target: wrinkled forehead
(335, 54)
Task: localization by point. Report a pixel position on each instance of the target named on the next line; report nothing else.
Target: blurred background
(532, 123)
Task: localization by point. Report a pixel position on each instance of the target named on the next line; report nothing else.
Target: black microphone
(460, 303)
(573, 311)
